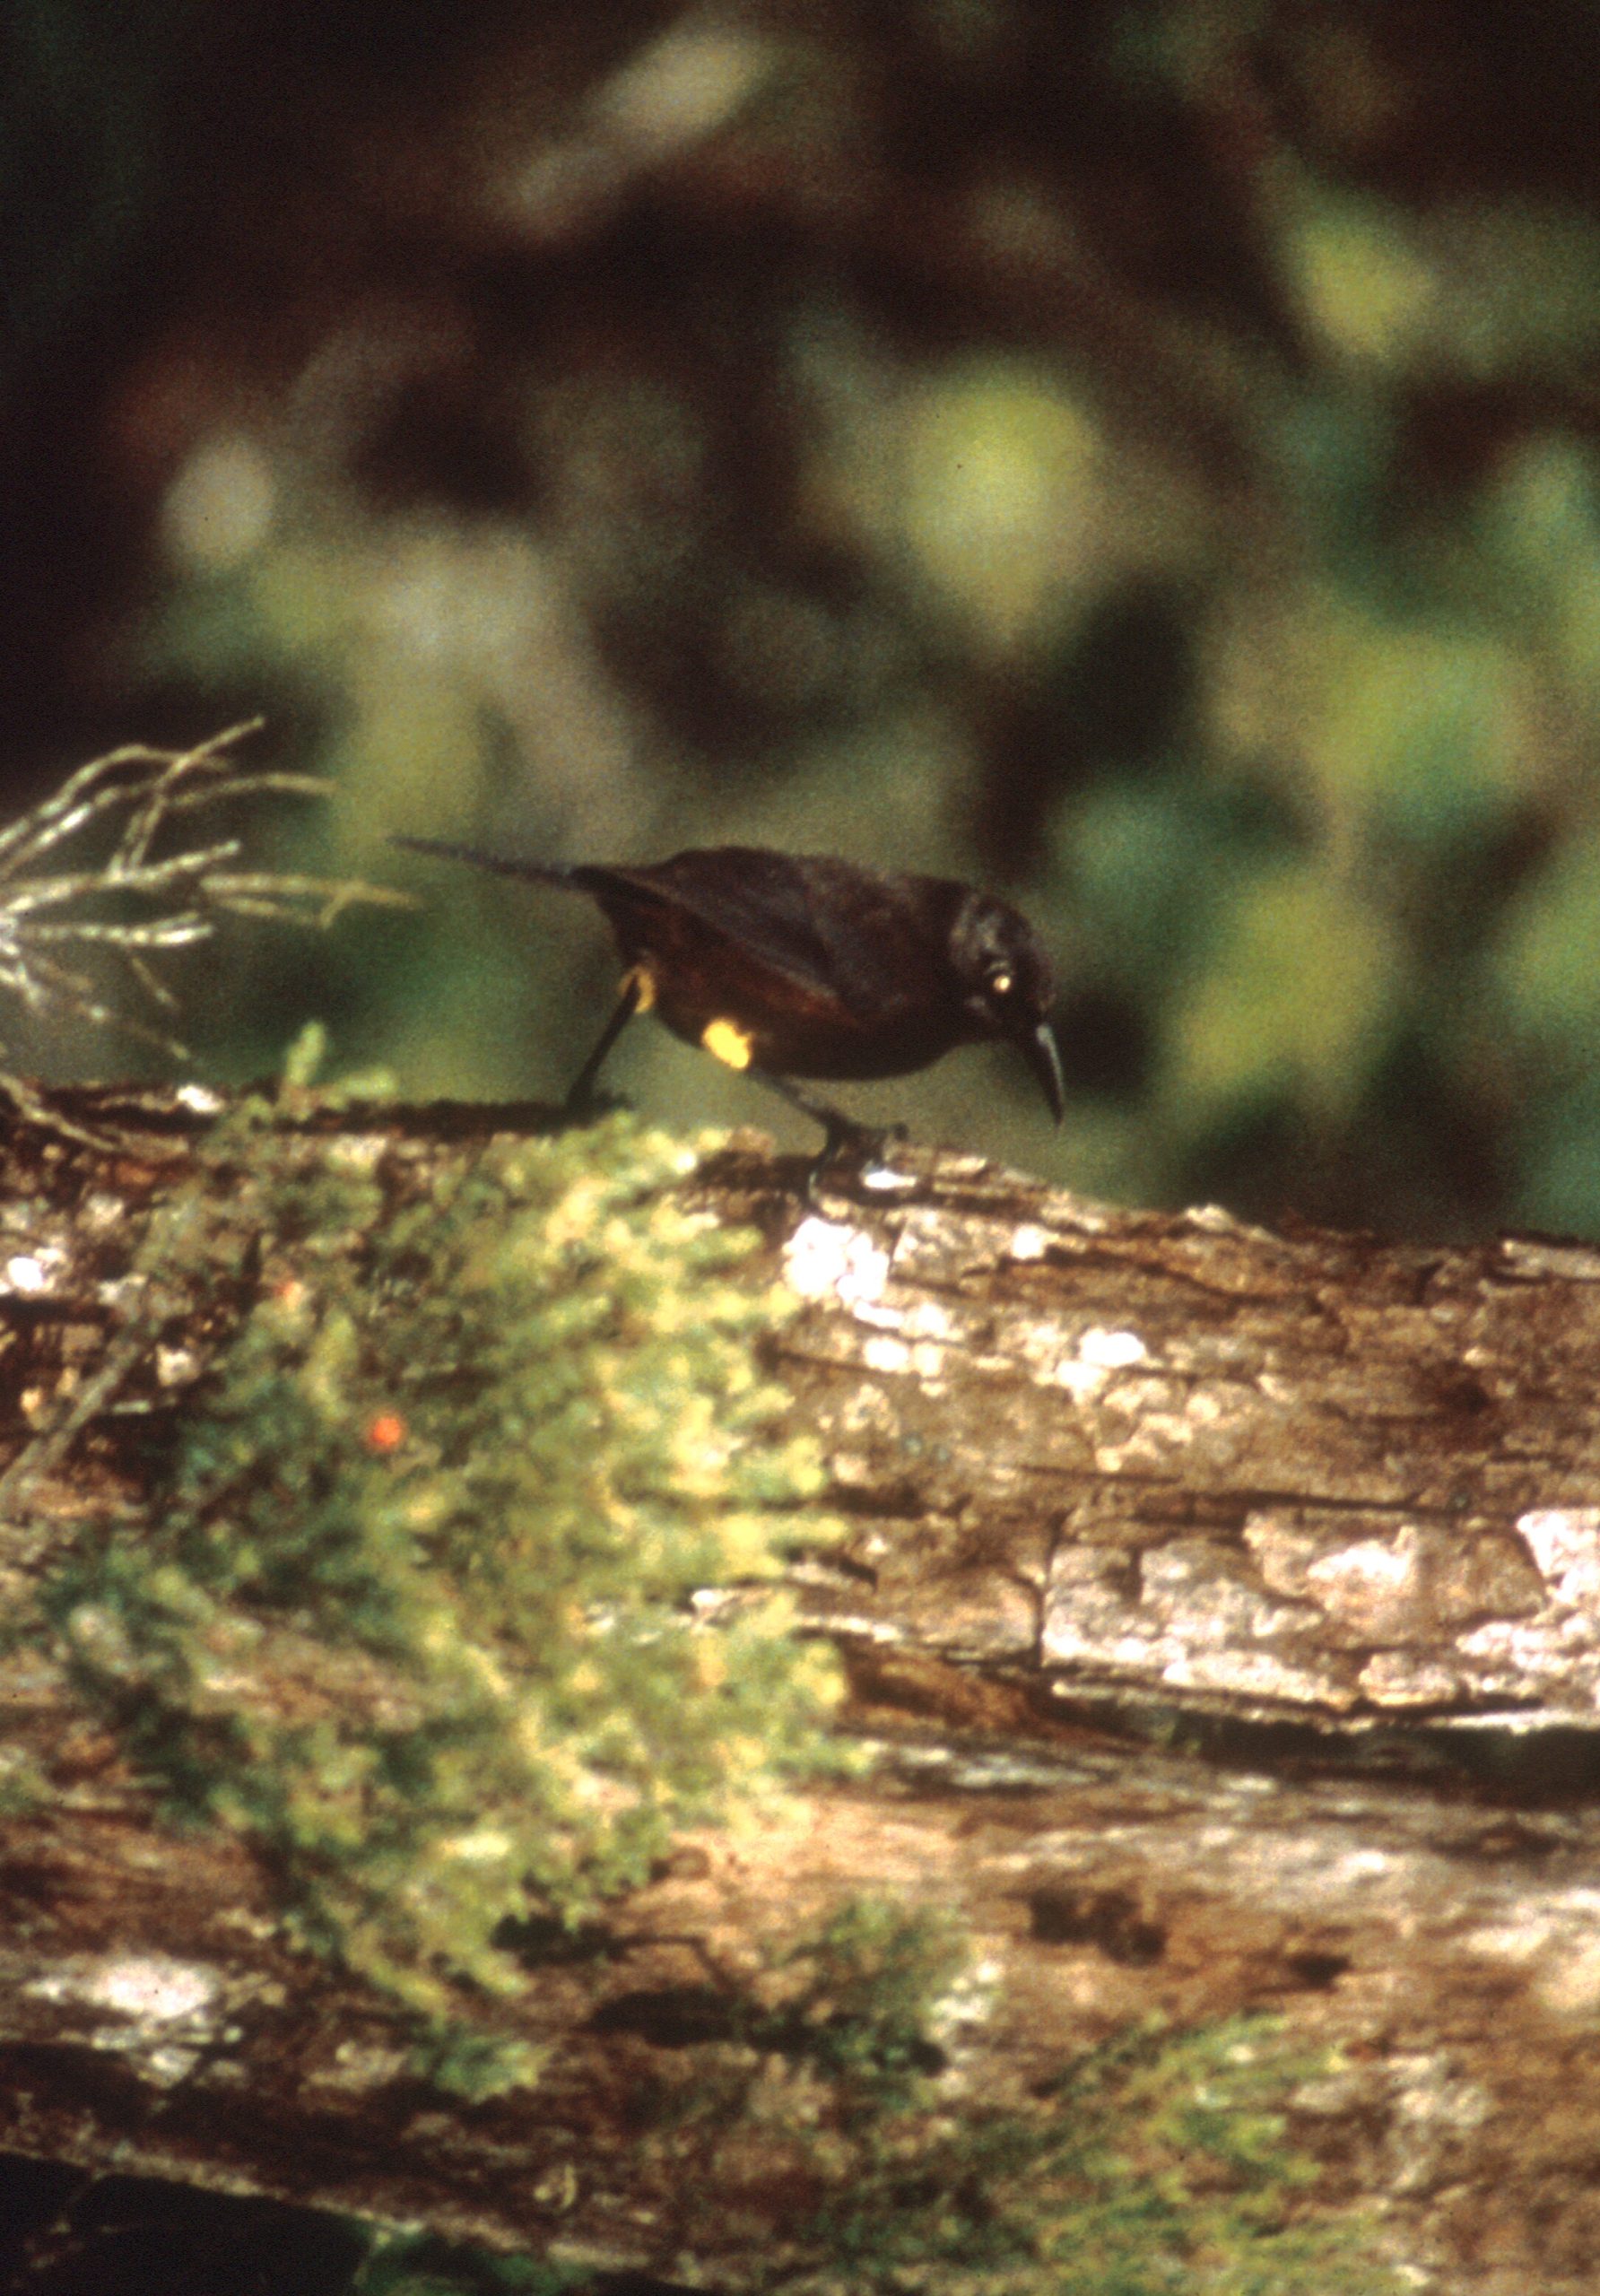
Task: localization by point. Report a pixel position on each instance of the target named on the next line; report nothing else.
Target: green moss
(415, 1609)
(874, 1987)
(1161, 2162)
(25, 1787)
(835, 2090)
(419, 2263)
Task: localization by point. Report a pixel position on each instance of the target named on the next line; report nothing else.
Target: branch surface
(1225, 1611)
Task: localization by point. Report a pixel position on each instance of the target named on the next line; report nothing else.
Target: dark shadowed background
(1141, 455)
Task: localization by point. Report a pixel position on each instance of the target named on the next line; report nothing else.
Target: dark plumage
(800, 965)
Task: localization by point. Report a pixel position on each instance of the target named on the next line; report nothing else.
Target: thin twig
(177, 897)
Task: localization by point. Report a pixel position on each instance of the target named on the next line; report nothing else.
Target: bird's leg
(844, 1136)
(581, 1098)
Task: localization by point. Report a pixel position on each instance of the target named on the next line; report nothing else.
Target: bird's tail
(543, 873)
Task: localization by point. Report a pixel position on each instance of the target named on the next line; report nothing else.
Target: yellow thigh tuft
(727, 1042)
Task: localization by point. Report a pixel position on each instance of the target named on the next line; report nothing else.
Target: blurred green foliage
(415, 1609)
(1143, 454)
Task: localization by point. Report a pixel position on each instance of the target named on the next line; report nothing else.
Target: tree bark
(1224, 1608)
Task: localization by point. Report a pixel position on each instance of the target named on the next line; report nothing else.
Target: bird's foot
(857, 1148)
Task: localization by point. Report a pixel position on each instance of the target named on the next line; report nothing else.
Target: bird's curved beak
(1045, 1061)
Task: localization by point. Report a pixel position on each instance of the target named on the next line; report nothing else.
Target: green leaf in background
(1546, 963)
(1297, 998)
(1412, 731)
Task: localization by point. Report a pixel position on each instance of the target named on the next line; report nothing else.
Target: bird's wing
(858, 948)
(753, 907)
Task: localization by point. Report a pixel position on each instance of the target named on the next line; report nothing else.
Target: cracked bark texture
(1225, 1608)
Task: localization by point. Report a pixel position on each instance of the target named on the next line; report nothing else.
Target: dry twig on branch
(158, 889)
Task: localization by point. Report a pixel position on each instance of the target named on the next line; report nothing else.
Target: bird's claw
(856, 1145)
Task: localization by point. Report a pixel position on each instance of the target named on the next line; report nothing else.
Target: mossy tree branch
(1221, 1610)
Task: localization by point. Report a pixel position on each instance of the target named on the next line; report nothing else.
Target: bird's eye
(1001, 982)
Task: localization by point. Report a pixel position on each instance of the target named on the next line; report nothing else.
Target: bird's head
(1008, 986)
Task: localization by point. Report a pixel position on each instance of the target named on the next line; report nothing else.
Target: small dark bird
(797, 964)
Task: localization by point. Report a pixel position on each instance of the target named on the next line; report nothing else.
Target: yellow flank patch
(726, 1043)
(642, 981)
